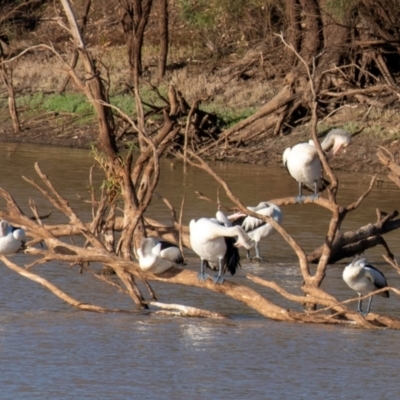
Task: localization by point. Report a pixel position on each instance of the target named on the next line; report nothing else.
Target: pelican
(156, 256)
(212, 239)
(304, 165)
(364, 278)
(255, 227)
(12, 239)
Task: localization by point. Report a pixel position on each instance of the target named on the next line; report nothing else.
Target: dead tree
(57, 249)
(135, 186)
(132, 184)
(134, 18)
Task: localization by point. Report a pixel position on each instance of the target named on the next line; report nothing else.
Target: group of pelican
(216, 240)
(304, 165)
(213, 239)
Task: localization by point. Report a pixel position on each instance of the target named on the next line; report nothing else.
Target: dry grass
(231, 97)
(44, 73)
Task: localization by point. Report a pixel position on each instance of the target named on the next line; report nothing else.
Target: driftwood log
(330, 311)
(129, 184)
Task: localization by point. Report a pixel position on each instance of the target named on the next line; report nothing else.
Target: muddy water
(49, 350)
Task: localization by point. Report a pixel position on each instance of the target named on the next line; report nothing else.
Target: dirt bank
(360, 156)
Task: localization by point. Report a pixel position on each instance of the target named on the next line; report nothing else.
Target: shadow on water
(49, 350)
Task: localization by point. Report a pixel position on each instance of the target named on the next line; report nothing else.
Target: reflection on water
(49, 350)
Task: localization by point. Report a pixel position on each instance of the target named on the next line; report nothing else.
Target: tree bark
(135, 15)
(311, 42)
(293, 29)
(164, 37)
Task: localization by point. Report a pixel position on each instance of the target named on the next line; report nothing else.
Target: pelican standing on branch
(255, 227)
(304, 165)
(157, 256)
(12, 239)
(364, 278)
(212, 239)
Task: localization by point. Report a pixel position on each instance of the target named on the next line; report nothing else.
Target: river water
(50, 351)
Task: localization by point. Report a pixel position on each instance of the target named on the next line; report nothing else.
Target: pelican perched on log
(255, 227)
(304, 165)
(212, 239)
(12, 239)
(157, 256)
(364, 278)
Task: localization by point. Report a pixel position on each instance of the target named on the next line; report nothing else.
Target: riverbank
(360, 156)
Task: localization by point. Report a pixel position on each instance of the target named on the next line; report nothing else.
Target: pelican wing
(376, 277)
(232, 257)
(165, 244)
(237, 219)
(170, 252)
(267, 210)
(251, 223)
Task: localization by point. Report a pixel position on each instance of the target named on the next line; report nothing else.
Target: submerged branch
(186, 311)
(55, 290)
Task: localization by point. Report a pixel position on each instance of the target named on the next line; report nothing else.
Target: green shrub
(68, 103)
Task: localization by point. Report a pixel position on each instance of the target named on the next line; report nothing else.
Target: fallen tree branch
(186, 311)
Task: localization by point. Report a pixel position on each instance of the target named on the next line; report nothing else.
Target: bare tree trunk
(12, 107)
(311, 42)
(293, 29)
(75, 55)
(163, 28)
(94, 90)
(134, 20)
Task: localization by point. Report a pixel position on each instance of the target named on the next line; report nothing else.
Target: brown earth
(360, 156)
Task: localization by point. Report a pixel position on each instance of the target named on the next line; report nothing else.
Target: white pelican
(156, 256)
(304, 165)
(213, 241)
(255, 227)
(11, 239)
(364, 278)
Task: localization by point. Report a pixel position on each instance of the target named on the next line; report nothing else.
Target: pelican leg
(300, 198)
(369, 306)
(359, 308)
(202, 276)
(257, 256)
(248, 254)
(219, 278)
(315, 195)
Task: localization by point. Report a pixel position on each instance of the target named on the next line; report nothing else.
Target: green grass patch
(75, 103)
(30, 100)
(126, 102)
(229, 116)
(68, 103)
(78, 105)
